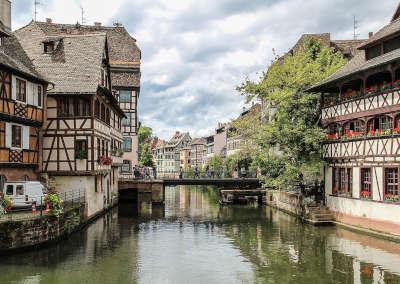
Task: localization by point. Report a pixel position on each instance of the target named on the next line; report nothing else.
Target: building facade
(83, 129)
(198, 150)
(361, 107)
(168, 154)
(185, 157)
(124, 60)
(22, 107)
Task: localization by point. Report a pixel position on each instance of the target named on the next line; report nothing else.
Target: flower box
(366, 194)
(106, 161)
(392, 198)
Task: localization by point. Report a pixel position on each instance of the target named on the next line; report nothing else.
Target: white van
(24, 193)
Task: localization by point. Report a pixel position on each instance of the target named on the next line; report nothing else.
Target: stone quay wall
(19, 234)
(288, 202)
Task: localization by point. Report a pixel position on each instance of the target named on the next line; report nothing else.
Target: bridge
(129, 188)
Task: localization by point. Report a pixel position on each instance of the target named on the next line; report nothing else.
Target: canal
(194, 240)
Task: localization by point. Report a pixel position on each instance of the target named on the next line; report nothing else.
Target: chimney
(97, 24)
(370, 34)
(49, 20)
(5, 14)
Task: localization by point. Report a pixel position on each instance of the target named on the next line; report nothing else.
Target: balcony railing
(357, 135)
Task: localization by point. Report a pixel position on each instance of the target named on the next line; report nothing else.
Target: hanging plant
(54, 203)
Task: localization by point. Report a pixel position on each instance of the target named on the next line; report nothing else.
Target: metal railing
(211, 174)
(35, 207)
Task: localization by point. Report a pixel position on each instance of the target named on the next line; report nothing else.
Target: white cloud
(196, 52)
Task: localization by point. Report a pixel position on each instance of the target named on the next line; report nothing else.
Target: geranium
(365, 193)
(104, 160)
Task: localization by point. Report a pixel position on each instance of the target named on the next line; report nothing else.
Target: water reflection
(193, 239)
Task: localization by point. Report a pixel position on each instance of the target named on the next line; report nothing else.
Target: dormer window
(49, 47)
(1, 40)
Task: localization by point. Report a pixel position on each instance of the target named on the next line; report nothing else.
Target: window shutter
(14, 88)
(8, 135)
(25, 137)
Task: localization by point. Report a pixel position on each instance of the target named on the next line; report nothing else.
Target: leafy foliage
(145, 155)
(146, 158)
(287, 148)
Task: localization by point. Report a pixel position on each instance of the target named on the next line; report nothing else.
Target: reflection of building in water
(357, 258)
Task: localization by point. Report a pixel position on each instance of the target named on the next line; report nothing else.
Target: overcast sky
(195, 52)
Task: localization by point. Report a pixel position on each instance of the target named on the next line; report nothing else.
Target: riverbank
(39, 231)
(289, 202)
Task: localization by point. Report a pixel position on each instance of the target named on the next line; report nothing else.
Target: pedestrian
(180, 173)
(243, 172)
(196, 172)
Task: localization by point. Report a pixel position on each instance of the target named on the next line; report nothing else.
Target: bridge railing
(211, 174)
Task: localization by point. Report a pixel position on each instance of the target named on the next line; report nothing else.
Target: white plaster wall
(377, 183)
(368, 209)
(328, 181)
(356, 182)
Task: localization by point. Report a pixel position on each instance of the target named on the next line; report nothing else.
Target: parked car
(24, 193)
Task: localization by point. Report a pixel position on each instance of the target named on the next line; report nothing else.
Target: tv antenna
(355, 27)
(83, 20)
(36, 3)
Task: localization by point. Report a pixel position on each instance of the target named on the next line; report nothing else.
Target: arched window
(108, 116)
(356, 125)
(380, 123)
(103, 112)
(97, 109)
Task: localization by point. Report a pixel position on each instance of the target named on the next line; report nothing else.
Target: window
(125, 96)
(19, 190)
(97, 109)
(392, 184)
(98, 148)
(108, 116)
(102, 148)
(48, 47)
(81, 151)
(342, 180)
(10, 189)
(21, 90)
(39, 96)
(126, 121)
(373, 51)
(103, 112)
(1, 41)
(70, 107)
(127, 144)
(16, 136)
(126, 166)
(366, 184)
(381, 123)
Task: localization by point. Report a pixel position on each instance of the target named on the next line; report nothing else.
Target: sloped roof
(124, 54)
(177, 138)
(13, 56)
(198, 141)
(75, 65)
(122, 46)
(385, 32)
(359, 64)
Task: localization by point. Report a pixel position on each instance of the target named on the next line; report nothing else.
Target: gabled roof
(123, 50)
(75, 65)
(124, 54)
(177, 138)
(198, 141)
(13, 56)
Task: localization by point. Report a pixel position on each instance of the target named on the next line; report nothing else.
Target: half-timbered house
(83, 126)
(361, 115)
(22, 107)
(124, 57)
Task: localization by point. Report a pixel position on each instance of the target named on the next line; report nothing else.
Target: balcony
(377, 145)
(20, 112)
(357, 103)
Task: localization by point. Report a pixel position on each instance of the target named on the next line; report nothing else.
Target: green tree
(216, 162)
(144, 137)
(146, 157)
(288, 148)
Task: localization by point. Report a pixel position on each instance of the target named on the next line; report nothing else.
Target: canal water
(194, 240)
